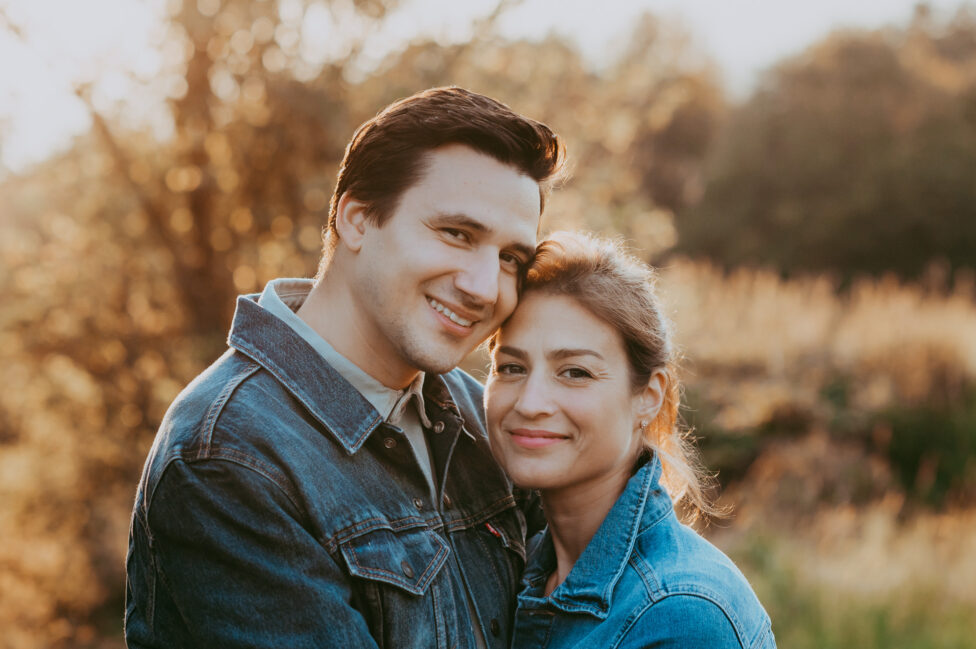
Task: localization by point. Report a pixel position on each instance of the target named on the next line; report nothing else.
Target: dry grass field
(846, 426)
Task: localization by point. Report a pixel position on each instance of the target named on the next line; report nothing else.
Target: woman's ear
(649, 400)
(351, 222)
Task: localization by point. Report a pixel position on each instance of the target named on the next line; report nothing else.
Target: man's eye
(511, 261)
(460, 235)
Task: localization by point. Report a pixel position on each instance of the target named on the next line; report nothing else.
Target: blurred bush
(854, 157)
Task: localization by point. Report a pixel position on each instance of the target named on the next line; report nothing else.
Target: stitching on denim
(761, 641)
(258, 355)
(629, 623)
(372, 524)
(645, 573)
(268, 471)
(483, 515)
(716, 598)
(710, 596)
(391, 577)
(207, 427)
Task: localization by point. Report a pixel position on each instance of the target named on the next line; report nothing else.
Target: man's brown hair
(387, 154)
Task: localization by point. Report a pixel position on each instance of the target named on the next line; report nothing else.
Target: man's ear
(351, 222)
(651, 397)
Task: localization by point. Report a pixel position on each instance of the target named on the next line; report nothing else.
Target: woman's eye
(509, 369)
(576, 373)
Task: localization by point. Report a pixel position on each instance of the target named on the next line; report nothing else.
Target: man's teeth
(450, 314)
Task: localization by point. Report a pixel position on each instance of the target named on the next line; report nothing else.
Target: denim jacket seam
(632, 619)
(765, 632)
(644, 573)
(218, 404)
(692, 590)
(369, 525)
(261, 468)
(233, 456)
(422, 580)
(492, 509)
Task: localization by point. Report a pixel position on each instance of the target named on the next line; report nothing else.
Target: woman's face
(561, 409)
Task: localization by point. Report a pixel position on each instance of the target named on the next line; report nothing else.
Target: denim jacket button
(389, 442)
(418, 503)
(438, 427)
(447, 501)
(407, 569)
(496, 628)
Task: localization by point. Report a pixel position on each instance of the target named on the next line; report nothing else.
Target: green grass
(933, 449)
(812, 616)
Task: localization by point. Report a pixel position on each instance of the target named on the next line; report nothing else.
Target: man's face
(441, 273)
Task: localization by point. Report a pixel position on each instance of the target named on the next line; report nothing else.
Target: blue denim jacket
(278, 509)
(644, 580)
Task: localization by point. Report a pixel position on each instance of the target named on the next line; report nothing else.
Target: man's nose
(479, 279)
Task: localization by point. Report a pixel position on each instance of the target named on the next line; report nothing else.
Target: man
(328, 482)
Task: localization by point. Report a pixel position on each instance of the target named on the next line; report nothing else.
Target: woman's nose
(535, 398)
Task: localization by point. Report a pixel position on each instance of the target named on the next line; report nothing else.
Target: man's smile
(448, 313)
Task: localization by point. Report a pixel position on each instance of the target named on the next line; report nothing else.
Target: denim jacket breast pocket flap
(509, 528)
(407, 559)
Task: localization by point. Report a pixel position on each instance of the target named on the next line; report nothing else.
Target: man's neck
(330, 310)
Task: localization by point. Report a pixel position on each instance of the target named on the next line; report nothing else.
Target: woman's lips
(532, 438)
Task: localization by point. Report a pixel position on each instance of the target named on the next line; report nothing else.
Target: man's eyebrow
(459, 220)
(526, 252)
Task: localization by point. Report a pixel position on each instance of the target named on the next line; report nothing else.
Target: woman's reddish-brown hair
(620, 289)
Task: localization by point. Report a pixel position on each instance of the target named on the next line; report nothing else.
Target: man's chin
(440, 361)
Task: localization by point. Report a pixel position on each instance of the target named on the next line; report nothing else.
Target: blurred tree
(120, 259)
(856, 156)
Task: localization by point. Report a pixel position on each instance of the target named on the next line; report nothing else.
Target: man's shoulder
(234, 394)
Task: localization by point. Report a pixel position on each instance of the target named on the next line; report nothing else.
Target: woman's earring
(643, 425)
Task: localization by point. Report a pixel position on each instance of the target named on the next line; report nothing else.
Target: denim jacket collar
(590, 584)
(327, 396)
(324, 392)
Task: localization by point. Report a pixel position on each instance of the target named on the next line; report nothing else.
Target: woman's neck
(574, 515)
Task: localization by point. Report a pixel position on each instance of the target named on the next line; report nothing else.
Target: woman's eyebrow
(512, 351)
(566, 353)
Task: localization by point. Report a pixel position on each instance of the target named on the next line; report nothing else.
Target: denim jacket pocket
(407, 559)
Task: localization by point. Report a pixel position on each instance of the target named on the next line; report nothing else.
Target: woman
(582, 405)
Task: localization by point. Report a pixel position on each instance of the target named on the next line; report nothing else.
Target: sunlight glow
(120, 46)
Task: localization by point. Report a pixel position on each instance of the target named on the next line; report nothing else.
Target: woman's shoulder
(684, 620)
(683, 572)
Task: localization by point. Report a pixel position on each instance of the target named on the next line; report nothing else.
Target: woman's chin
(534, 478)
